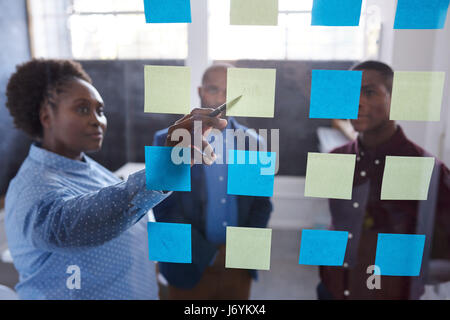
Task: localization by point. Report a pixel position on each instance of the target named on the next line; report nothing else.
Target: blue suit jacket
(190, 207)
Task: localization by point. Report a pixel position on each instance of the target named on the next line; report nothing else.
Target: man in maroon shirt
(365, 215)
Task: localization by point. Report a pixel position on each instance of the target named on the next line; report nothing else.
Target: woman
(75, 231)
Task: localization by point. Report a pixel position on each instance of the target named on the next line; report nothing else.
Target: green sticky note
(248, 248)
(254, 12)
(167, 89)
(330, 175)
(257, 87)
(417, 96)
(406, 178)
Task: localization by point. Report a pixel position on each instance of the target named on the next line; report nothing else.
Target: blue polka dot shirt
(62, 213)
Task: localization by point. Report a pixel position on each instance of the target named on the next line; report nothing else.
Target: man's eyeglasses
(213, 90)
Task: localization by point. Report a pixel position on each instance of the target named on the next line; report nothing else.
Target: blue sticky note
(169, 242)
(421, 14)
(336, 12)
(335, 94)
(250, 173)
(167, 11)
(323, 247)
(163, 173)
(399, 254)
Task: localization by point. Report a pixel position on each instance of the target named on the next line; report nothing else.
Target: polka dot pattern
(62, 212)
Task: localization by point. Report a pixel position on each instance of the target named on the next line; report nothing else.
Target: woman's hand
(187, 123)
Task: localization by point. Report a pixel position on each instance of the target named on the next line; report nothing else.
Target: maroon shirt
(366, 215)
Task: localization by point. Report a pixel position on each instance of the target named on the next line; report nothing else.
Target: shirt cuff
(140, 196)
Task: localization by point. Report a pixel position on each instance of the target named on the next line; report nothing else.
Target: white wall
(50, 15)
(197, 58)
(419, 50)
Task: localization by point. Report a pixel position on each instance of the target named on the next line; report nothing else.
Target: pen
(223, 107)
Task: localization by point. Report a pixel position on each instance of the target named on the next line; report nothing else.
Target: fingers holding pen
(188, 122)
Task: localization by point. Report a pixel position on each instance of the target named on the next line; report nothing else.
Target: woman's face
(78, 122)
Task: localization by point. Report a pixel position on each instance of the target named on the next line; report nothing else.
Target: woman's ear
(45, 115)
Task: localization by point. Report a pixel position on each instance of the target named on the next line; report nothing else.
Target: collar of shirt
(390, 147)
(58, 162)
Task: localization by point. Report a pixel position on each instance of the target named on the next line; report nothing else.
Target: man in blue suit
(209, 210)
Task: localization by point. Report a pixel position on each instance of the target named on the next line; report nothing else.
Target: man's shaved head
(213, 90)
(215, 67)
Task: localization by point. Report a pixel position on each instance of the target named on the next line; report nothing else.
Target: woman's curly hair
(35, 82)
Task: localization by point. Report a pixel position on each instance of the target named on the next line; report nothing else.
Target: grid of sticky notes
(335, 94)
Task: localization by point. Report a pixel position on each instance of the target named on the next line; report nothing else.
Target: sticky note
(335, 94)
(417, 96)
(169, 242)
(421, 14)
(248, 248)
(406, 178)
(250, 173)
(336, 12)
(329, 175)
(161, 171)
(399, 254)
(323, 247)
(167, 89)
(254, 12)
(257, 87)
(167, 11)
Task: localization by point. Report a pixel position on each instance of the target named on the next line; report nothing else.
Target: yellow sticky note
(248, 248)
(257, 87)
(330, 175)
(406, 178)
(417, 96)
(254, 12)
(167, 89)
